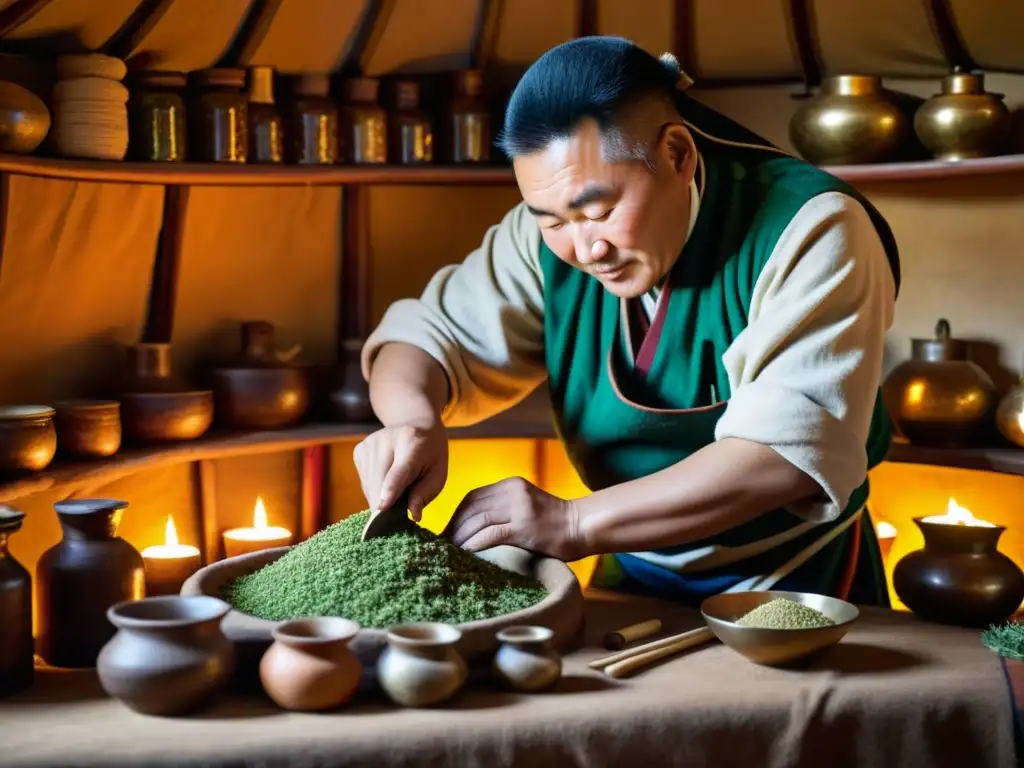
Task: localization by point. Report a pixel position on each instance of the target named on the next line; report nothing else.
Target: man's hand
(397, 458)
(516, 512)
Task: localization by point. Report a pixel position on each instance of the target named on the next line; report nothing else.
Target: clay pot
(24, 120)
(17, 670)
(525, 661)
(959, 577)
(310, 666)
(259, 391)
(169, 656)
(939, 397)
(157, 407)
(350, 397)
(420, 666)
(88, 428)
(963, 121)
(852, 120)
(81, 577)
(28, 439)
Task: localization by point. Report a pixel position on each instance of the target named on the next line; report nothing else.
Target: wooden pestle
(617, 640)
(637, 658)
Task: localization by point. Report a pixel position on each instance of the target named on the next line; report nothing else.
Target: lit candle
(886, 533)
(168, 565)
(241, 541)
(957, 515)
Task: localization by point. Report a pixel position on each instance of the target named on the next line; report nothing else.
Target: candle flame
(958, 515)
(885, 530)
(170, 533)
(259, 514)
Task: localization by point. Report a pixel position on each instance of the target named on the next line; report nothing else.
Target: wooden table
(896, 691)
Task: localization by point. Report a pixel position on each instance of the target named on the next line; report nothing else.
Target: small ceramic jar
(88, 428)
(28, 439)
(310, 666)
(525, 660)
(169, 656)
(420, 667)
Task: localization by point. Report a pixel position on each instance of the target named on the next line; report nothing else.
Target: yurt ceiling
(718, 40)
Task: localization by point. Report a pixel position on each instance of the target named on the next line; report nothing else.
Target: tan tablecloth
(896, 692)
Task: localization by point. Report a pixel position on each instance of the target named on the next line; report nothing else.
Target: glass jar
(17, 669)
(221, 116)
(313, 122)
(266, 137)
(412, 135)
(469, 120)
(362, 122)
(157, 114)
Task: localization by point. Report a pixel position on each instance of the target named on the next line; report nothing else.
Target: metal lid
(961, 81)
(159, 78)
(942, 348)
(407, 94)
(469, 82)
(852, 85)
(261, 84)
(10, 519)
(311, 85)
(220, 77)
(360, 90)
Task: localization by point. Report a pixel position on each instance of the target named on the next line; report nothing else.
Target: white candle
(886, 533)
(241, 541)
(168, 565)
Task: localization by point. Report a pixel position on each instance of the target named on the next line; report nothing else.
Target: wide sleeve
(805, 372)
(482, 320)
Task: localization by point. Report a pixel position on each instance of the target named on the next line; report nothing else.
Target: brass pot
(88, 428)
(852, 120)
(964, 120)
(939, 397)
(260, 390)
(1010, 414)
(28, 439)
(157, 407)
(24, 119)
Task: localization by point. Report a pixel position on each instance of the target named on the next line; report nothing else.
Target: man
(709, 314)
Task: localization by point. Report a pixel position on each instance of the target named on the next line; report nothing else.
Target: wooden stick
(615, 641)
(629, 653)
(681, 643)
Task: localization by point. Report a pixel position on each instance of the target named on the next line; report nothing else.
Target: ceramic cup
(309, 666)
(525, 660)
(169, 656)
(420, 667)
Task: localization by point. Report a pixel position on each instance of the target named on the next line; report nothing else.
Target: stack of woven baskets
(90, 114)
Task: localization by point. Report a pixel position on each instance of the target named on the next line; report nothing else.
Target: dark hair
(590, 77)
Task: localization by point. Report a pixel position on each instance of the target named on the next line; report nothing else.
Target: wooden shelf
(228, 175)
(231, 175)
(529, 420)
(1007, 461)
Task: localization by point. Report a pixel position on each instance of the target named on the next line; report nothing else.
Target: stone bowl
(561, 611)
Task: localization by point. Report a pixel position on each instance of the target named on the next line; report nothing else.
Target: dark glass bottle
(469, 121)
(362, 122)
(157, 114)
(266, 136)
(221, 116)
(410, 128)
(17, 670)
(313, 121)
(87, 572)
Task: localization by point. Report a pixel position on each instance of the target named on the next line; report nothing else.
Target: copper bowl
(260, 398)
(28, 439)
(88, 428)
(776, 647)
(152, 417)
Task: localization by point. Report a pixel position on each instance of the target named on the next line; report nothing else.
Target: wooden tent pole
(129, 36)
(163, 288)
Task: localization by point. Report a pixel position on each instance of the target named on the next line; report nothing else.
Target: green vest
(617, 427)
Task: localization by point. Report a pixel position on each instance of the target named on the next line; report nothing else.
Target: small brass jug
(939, 397)
(1010, 414)
(852, 120)
(964, 120)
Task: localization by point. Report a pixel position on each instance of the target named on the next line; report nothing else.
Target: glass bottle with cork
(221, 116)
(411, 131)
(157, 116)
(469, 120)
(266, 136)
(362, 122)
(313, 121)
(17, 668)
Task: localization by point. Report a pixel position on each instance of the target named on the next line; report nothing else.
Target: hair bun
(671, 65)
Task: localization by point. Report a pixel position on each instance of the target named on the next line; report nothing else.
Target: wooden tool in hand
(393, 519)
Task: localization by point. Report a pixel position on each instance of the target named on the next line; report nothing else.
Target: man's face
(621, 222)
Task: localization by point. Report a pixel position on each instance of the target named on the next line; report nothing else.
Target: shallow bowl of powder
(381, 583)
(778, 628)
